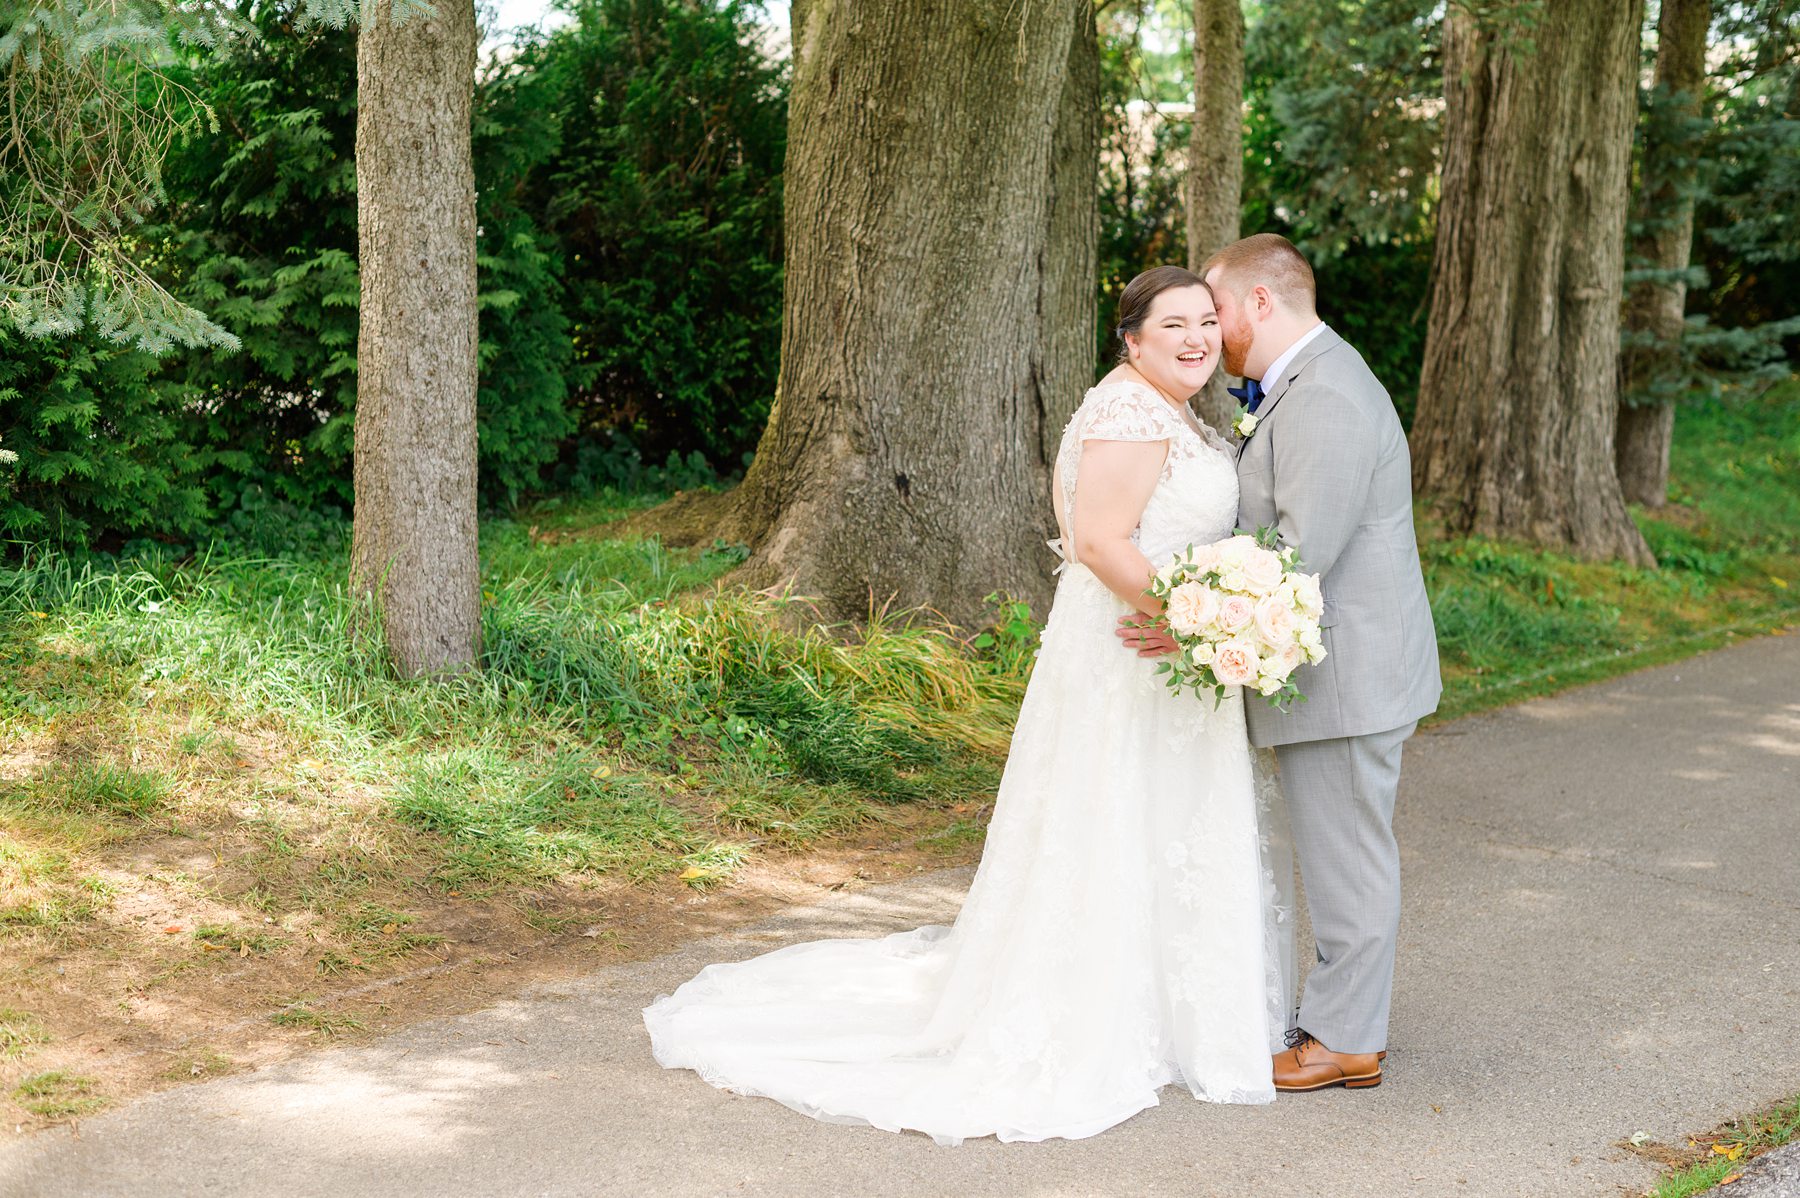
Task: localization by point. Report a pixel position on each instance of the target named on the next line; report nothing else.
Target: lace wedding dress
(1125, 930)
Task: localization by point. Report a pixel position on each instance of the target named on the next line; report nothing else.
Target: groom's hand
(1150, 637)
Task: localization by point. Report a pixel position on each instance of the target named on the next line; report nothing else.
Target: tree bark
(1216, 157)
(414, 546)
(941, 231)
(1657, 308)
(1519, 395)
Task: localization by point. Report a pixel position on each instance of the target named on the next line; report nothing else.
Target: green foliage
(1343, 139)
(665, 199)
(261, 232)
(1749, 236)
(1735, 160)
(100, 444)
(265, 238)
(1340, 155)
(522, 413)
(92, 115)
(1012, 640)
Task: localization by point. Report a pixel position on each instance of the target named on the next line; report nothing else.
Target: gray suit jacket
(1328, 465)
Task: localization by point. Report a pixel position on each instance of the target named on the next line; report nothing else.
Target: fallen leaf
(602, 771)
(1725, 1181)
(387, 929)
(692, 872)
(243, 949)
(171, 929)
(1779, 582)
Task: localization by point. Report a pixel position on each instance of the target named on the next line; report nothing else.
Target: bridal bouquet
(1242, 614)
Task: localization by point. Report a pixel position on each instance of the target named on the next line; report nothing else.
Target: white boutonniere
(1244, 424)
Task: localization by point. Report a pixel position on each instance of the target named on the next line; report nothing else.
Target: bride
(1125, 929)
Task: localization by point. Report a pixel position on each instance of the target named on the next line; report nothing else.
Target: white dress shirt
(1280, 364)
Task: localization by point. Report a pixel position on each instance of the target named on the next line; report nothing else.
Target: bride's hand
(1150, 637)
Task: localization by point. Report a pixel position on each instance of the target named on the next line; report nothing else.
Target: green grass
(1728, 1151)
(98, 788)
(19, 1032)
(633, 720)
(630, 720)
(237, 940)
(1514, 621)
(58, 1095)
(320, 1023)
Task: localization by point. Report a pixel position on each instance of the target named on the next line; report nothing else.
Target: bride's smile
(1176, 349)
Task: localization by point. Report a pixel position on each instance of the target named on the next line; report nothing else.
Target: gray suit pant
(1340, 796)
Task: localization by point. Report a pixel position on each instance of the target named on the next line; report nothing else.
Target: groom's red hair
(1271, 260)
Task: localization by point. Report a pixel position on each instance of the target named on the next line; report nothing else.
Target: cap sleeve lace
(1130, 413)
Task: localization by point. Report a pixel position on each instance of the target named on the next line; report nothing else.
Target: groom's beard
(1237, 340)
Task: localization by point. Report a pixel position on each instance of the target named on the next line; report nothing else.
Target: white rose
(1236, 613)
(1191, 607)
(1262, 571)
(1287, 661)
(1202, 653)
(1235, 663)
(1307, 593)
(1275, 621)
(1235, 550)
(1268, 684)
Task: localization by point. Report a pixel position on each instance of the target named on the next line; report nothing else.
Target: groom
(1326, 462)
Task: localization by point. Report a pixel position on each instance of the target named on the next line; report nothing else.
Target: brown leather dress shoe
(1309, 1065)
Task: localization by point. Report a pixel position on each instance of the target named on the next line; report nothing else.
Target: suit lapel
(1327, 339)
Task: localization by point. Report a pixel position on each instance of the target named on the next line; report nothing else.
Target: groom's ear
(1261, 300)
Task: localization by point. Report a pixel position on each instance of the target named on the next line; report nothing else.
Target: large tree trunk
(1216, 156)
(1519, 394)
(1657, 308)
(414, 546)
(938, 321)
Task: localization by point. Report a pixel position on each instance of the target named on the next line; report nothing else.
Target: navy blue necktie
(1251, 393)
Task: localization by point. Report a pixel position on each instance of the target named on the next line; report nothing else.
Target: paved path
(1602, 896)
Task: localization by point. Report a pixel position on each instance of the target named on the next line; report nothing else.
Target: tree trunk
(1657, 308)
(937, 331)
(1216, 157)
(1519, 395)
(414, 549)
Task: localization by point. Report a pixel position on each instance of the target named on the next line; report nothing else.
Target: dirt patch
(173, 982)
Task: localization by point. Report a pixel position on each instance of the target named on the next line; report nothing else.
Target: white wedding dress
(1125, 929)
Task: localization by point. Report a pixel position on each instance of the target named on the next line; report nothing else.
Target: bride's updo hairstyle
(1141, 292)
